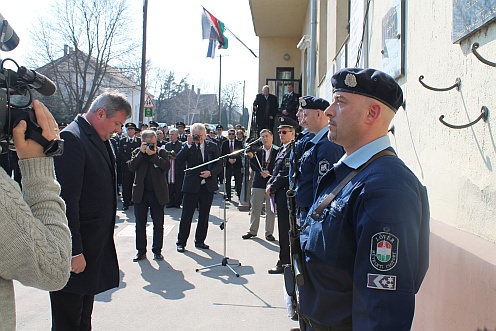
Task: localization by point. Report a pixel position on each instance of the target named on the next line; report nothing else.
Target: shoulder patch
(384, 251)
(381, 282)
(324, 166)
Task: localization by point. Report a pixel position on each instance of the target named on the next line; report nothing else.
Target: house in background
(423, 45)
(80, 77)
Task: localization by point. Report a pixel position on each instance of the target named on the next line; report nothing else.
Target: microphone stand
(225, 259)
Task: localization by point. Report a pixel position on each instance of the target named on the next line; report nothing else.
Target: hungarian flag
(213, 29)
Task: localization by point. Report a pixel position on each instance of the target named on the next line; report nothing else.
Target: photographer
(150, 191)
(35, 240)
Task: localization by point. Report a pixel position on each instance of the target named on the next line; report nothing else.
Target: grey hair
(174, 130)
(200, 127)
(112, 102)
(147, 134)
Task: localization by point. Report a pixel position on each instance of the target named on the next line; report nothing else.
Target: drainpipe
(313, 47)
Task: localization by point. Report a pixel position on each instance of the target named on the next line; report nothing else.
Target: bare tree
(95, 32)
(231, 99)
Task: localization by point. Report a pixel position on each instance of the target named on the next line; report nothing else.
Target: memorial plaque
(392, 41)
(471, 15)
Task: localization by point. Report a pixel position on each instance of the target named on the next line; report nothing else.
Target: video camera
(21, 82)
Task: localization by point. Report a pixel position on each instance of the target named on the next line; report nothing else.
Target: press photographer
(150, 191)
(35, 241)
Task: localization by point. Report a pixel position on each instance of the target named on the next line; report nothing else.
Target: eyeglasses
(282, 132)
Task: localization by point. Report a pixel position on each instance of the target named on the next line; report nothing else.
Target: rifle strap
(317, 212)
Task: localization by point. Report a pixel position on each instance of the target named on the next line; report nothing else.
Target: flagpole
(242, 43)
(220, 84)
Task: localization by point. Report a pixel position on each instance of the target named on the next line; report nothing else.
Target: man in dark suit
(126, 146)
(265, 109)
(180, 126)
(199, 185)
(150, 191)
(86, 172)
(233, 164)
(290, 103)
(175, 175)
(278, 185)
(220, 138)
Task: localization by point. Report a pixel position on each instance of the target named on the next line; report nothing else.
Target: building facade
(423, 44)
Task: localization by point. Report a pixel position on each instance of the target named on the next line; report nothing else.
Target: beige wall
(272, 51)
(457, 166)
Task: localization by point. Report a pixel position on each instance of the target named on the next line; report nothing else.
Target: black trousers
(238, 178)
(283, 225)
(71, 311)
(127, 186)
(149, 201)
(175, 191)
(203, 200)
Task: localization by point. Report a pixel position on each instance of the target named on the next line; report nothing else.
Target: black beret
(287, 121)
(130, 125)
(178, 124)
(219, 127)
(371, 83)
(153, 124)
(309, 102)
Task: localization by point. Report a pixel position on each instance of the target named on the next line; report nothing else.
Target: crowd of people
(362, 214)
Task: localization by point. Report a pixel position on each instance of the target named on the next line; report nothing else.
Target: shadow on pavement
(164, 281)
(107, 295)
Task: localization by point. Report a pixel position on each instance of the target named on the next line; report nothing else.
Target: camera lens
(151, 146)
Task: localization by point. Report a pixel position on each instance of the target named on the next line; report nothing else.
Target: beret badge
(303, 102)
(350, 80)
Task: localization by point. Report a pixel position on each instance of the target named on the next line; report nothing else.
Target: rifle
(293, 275)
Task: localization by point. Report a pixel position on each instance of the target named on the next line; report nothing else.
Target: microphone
(8, 38)
(39, 82)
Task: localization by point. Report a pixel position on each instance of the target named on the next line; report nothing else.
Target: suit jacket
(158, 165)
(227, 150)
(265, 108)
(290, 102)
(259, 160)
(176, 147)
(191, 156)
(86, 172)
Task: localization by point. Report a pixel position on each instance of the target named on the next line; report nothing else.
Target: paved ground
(171, 295)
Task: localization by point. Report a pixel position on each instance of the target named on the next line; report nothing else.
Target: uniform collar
(364, 153)
(319, 135)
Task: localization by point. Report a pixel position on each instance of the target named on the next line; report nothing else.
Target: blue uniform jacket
(365, 258)
(318, 158)
(300, 144)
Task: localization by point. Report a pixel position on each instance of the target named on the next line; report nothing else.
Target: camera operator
(35, 240)
(150, 191)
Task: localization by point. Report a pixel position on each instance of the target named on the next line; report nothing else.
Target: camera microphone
(8, 38)
(39, 82)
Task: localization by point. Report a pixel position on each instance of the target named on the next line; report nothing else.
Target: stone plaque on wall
(471, 15)
(392, 41)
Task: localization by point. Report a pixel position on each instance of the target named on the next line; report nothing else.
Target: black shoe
(139, 257)
(180, 248)
(228, 199)
(276, 270)
(202, 246)
(158, 257)
(248, 236)
(270, 237)
(125, 207)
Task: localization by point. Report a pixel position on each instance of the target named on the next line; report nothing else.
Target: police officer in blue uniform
(180, 126)
(365, 252)
(278, 185)
(126, 147)
(319, 154)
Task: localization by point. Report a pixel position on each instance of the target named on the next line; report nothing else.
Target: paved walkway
(171, 294)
